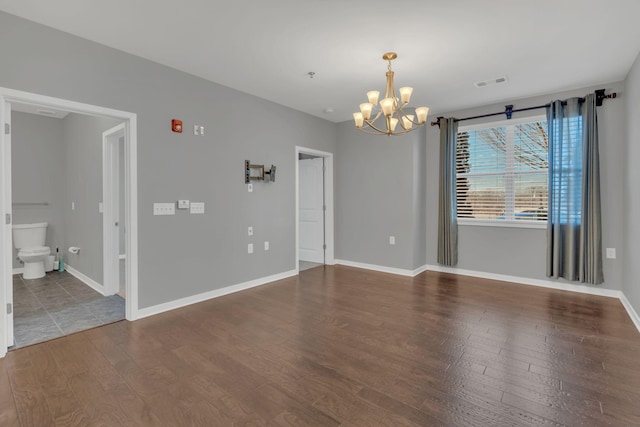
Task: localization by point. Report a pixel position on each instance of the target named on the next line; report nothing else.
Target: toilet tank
(29, 235)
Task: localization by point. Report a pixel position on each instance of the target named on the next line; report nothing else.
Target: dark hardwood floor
(343, 346)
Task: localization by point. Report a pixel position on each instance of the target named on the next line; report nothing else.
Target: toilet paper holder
(74, 249)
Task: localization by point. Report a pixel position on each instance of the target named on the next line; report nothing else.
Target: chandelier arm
(378, 114)
(386, 133)
(405, 115)
(370, 124)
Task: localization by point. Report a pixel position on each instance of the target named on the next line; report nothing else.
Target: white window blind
(501, 172)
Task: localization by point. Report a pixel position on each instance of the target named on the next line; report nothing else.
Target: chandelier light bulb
(422, 112)
(387, 106)
(407, 121)
(357, 117)
(405, 94)
(373, 96)
(365, 109)
(393, 122)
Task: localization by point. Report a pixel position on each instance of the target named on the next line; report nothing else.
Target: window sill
(502, 223)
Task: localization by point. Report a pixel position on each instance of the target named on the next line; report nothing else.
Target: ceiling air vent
(495, 81)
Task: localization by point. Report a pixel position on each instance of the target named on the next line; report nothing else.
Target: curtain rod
(508, 109)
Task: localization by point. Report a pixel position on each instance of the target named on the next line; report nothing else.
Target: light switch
(73, 206)
(100, 207)
(250, 248)
(249, 231)
(266, 246)
(183, 204)
(392, 240)
(611, 253)
(164, 208)
(250, 188)
(197, 207)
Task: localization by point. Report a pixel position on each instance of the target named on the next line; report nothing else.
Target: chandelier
(391, 108)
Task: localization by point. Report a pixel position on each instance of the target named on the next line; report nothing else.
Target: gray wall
(379, 193)
(519, 251)
(37, 160)
(631, 253)
(185, 254)
(83, 187)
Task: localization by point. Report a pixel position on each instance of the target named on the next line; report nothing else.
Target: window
(501, 172)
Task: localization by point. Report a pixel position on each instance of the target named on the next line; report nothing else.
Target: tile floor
(57, 305)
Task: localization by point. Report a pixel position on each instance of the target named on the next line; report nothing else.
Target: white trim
(86, 279)
(630, 310)
(382, 268)
(563, 286)
(131, 196)
(18, 270)
(329, 254)
(111, 208)
(172, 305)
(6, 232)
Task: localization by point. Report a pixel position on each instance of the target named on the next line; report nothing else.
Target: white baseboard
(382, 268)
(630, 310)
(86, 279)
(563, 286)
(172, 305)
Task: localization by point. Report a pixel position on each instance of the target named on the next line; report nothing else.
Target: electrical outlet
(611, 253)
(164, 208)
(250, 248)
(266, 246)
(197, 208)
(392, 240)
(249, 231)
(183, 204)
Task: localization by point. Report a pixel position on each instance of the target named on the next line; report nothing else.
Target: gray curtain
(574, 232)
(447, 212)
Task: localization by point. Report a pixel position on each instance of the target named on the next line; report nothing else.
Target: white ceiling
(266, 48)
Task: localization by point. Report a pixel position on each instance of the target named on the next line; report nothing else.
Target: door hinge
(7, 128)
(324, 208)
(9, 308)
(324, 247)
(7, 218)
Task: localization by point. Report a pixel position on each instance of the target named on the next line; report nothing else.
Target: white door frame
(6, 232)
(111, 208)
(329, 257)
(7, 96)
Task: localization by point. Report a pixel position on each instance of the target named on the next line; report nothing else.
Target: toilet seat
(36, 250)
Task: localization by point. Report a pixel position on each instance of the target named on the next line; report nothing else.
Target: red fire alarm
(176, 125)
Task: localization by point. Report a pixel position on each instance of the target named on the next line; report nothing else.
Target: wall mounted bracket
(257, 172)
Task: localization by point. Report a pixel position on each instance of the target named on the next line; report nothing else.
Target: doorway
(314, 208)
(127, 207)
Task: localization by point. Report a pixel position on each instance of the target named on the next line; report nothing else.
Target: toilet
(29, 240)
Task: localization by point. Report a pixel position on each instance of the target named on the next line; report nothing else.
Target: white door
(311, 215)
(111, 207)
(7, 234)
